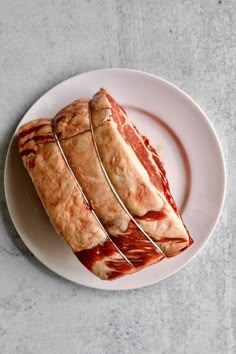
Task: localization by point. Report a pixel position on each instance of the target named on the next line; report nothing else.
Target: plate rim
(221, 155)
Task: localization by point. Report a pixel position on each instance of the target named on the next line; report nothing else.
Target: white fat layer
(91, 178)
(126, 172)
(73, 119)
(62, 200)
(101, 269)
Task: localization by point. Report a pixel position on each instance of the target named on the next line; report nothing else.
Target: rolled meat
(103, 187)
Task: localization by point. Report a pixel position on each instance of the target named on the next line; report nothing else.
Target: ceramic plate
(188, 145)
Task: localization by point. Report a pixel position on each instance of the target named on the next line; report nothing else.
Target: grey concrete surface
(193, 45)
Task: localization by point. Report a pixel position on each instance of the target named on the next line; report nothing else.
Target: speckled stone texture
(193, 45)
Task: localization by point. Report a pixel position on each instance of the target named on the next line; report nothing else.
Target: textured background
(193, 45)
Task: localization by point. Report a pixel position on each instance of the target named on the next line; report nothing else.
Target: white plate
(190, 149)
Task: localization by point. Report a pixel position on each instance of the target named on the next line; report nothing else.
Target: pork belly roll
(103, 187)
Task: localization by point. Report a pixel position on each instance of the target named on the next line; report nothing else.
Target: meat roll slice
(137, 174)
